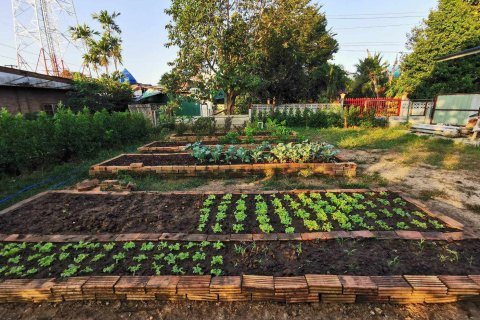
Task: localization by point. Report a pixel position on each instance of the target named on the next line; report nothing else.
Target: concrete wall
(27, 100)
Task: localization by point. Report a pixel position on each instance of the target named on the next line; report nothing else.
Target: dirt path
(232, 311)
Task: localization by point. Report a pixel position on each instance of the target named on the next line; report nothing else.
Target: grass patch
(157, 183)
(428, 194)
(431, 150)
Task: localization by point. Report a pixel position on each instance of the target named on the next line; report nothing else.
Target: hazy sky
(379, 25)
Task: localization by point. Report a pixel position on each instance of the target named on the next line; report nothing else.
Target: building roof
(461, 54)
(11, 77)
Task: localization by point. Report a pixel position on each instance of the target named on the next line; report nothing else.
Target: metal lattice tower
(41, 29)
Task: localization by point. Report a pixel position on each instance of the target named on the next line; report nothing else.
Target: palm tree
(371, 75)
(103, 49)
(116, 51)
(108, 21)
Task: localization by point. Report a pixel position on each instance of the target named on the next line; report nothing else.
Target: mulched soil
(353, 257)
(67, 213)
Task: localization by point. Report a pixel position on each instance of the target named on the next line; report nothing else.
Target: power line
(376, 18)
(374, 27)
(375, 14)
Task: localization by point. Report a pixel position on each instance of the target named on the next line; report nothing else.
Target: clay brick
(310, 236)
(196, 237)
(131, 284)
(69, 286)
(104, 237)
(128, 236)
(136, 165)
(226, 284)
(171, 297)
(302, 298)
(340, 234)
(202, 296)
(426, 284)
(475, 278)
(194, 285)
(324, 283)
(232, 297)
(460, 285)
(266, 236)
(337, 298)
(162, 284)
(269, 297)
(362, 234)
(371, 299)
(241, 237)
(382, 235)
(454, 236)
(392, 286)
(141, 296)
(441, 298)
(103, 284)
(451, 222)
(258, 284)
(358, 285)
(289, 236)
(79, 297)
(291, 285)
(433, 235)
(409, 235)
(110, 296)
(172, 236)
(218, 237)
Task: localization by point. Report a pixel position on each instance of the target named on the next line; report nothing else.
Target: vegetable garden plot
(353, 257)
(220, 213)
(179, 147)
(190, 138)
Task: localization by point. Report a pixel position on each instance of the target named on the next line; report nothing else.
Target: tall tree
(454, 26)
(270, 48)
(371, 77)
(295, 46)
(108, 47)
(216, 50)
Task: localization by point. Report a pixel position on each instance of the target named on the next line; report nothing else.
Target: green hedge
(30, 144)
(308, 118)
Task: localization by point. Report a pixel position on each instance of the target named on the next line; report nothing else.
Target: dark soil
(188, 310)
(277, 258)
(67, 213)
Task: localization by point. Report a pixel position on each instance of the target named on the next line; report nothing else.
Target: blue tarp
(127, 76)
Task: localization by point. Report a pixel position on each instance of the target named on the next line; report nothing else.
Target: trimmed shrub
(30, 144)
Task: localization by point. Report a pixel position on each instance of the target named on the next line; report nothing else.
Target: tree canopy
(269, 48)
(371, 77)
(105, 49)
(454, 26)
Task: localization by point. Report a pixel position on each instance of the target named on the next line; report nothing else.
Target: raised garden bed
(267, 258)
(65, 212)
(184, 164)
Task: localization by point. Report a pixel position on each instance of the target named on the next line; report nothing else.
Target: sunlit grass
(412, 149)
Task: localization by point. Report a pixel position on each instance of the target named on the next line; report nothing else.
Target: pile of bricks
(308, 288)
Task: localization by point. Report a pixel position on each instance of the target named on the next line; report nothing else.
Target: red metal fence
(383, 106)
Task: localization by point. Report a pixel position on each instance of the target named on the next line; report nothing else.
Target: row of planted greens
(310, 212)
(280, 258)
(305, 152)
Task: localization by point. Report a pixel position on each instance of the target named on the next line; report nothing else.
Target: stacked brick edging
(308, 288)
(348, 169)
(310, 236)
(148, 148)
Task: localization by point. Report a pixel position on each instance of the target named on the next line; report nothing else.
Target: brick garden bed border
(461, 234)
(341, 168)
(399, 289)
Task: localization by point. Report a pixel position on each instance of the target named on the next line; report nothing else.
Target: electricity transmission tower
(41, 34)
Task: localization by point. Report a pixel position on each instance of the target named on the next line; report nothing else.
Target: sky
(378, 25)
